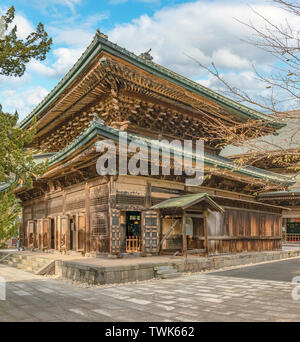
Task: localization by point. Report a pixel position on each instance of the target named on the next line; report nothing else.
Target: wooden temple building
(288, 198)
(110, 90)
(285, 161)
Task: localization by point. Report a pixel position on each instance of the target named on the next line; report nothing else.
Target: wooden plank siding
(247, 231)
(245, 226)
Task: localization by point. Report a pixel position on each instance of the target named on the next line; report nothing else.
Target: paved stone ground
(283, 270)
(198, 297)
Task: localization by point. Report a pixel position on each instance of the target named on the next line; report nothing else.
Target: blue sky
(174, 29)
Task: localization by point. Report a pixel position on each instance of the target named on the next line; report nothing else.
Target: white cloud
(204, 30)
(241, 80)
(24, 26)
(14, 82)
(66, 58)
(45, 4)
(40, 69)
(68, 3)
(74, 37)
(224, 58)
(23, 101)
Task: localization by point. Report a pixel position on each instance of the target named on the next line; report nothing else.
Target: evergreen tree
(17, 166)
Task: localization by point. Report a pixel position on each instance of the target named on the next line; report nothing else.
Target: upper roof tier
(105, 67)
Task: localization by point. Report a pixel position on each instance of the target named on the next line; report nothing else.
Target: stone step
(24, 267)
(166, 271)
(31, 258)
(159, 268)
(20, 266)
(169, 275)
(26, 260)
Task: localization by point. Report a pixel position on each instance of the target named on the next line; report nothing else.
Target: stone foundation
(124, 274)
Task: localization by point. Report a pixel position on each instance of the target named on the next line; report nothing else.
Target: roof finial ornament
(146, 55)
(101, 34)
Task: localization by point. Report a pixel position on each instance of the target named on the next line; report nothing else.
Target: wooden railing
(292, 237)
(133, 244)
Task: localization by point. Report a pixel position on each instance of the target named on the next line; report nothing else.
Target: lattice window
(130, 200)
(99, 201)
(151, 221)
(55, 205)
(39, 209)
(115, 220)
(75, 205)
(99, 224)
(55, 210)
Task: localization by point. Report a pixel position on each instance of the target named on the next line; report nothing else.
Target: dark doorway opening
(52, 225)
(36, 235)
(133, 223)
(72, 235)
(133, 231)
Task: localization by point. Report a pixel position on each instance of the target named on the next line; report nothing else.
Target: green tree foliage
(17, 166)
(15, 53)
(9, 215)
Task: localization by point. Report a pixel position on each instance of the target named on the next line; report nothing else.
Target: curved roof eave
(99, 43)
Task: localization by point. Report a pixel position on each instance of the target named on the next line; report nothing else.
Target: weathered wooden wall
(246, 231)
(98, 208)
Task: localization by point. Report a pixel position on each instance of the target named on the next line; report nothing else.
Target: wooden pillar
(114, 218)
(76, 231)
(32, 218)
(160, 217)
(184, 240)
(42, 234)
(55, 232)
(67, 235)
(64, 202)
(280, 223)
(48, 225)
(58, 227)
(148, 195)
(87, 218)
(46, 206)
(205, 232)
(22, 228)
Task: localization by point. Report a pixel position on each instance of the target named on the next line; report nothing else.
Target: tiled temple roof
(187, 201)
(97, 127)
(101, 43)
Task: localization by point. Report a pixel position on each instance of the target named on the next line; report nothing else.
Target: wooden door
(40, 234)
(81, 233)
(30, 233)
(115, 232)
(64, 233)
(46, 234)
(150, 231)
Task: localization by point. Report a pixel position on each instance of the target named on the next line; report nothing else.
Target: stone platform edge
(102, 275)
